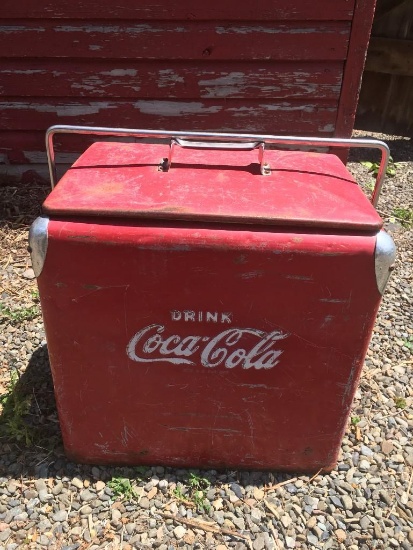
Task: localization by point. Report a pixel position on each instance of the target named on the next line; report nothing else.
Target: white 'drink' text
(154, 344)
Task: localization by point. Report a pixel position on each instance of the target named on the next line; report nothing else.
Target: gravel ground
(47, 501)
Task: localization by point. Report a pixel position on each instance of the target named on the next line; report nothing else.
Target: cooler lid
(125, 180)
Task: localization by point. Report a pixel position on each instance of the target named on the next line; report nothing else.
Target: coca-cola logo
(154, 343)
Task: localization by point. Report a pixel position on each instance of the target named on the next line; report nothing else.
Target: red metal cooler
(208, 308)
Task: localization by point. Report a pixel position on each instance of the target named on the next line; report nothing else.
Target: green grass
(178, 493)
(404, 216)
(374, 167)
(400, 402)
(16, 407)
(198, 485)
(408, 343)
(193, 491)
(18, 315)
(355, 420)
(122, 488)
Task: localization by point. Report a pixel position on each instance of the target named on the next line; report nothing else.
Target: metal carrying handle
(212, 137)
(222, 145)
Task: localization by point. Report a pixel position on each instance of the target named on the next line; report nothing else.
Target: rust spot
(170, 209)
(82, 237)
(106, 188)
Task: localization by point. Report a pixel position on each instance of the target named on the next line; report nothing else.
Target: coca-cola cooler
(208, 303)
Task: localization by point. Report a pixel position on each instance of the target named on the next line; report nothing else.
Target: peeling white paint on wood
(73, 109)
(10, 29)
(168, 77)
(120, 72)
(279, 29)
(172, 108)
(90, 83)
(224, 86)
(25, 71)
(117, 29)
(290, 107)
(328, 128)
(229, 79)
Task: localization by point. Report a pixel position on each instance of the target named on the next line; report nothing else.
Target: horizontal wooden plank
(181, 40)
(390, 56)
(185, 80)
(27, 174)
(300, 118)
(28, 148)
(260, 10)
(279, 116)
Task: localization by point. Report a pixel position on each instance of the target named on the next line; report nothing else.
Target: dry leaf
(152, 493)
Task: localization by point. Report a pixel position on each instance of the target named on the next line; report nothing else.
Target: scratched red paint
(185, 341)
(124, 179)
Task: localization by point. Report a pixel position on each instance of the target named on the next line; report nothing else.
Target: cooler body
(204, 343)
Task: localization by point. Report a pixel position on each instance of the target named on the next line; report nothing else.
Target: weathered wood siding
(274, 66)
(386, 99)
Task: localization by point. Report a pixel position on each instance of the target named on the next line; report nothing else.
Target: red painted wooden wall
(268, 66)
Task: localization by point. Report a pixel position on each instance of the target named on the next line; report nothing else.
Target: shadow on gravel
(401, 150)
(31, 444)
(29, 427)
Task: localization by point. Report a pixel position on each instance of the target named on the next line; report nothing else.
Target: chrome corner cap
(38, 240)
(384, 257)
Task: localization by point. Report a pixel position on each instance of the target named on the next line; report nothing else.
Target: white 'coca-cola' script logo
(152, 344)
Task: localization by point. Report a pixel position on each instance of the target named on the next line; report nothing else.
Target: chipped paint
(92, 82)
(168, 77)
(174, 108)
(203, 429)
(300, 277)
(10, 29)
(224, 86)
(120, 72)
(252, 275)
(327, 128)
(22, 71)
(283, 106)
(280, 29)
(73, 109)
(117, 29)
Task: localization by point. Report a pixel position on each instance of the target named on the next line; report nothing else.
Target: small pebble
(179, 532)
